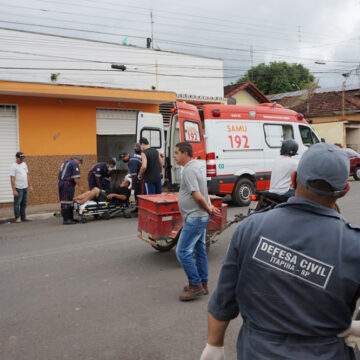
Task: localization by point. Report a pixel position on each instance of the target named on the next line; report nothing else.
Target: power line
(208, 47)
(133, 50)
(159, 23)
(175, 16)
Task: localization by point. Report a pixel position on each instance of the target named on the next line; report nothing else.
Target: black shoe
(69, 222)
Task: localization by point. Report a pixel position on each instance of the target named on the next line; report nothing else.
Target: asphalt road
(95, 291)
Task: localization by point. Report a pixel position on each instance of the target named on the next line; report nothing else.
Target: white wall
(183, 74)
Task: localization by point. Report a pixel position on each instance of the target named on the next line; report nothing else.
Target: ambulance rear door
(185, 125)
(151, 126)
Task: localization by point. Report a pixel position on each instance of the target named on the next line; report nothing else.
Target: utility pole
(343, 101)
(252, 61)
(152, 29)
(345, 75)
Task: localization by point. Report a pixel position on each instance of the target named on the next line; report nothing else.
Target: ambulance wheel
(241, 194)
(83, 220)
(357, 173)
(165, 244)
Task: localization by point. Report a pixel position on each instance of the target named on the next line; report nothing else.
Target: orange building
(50, 123)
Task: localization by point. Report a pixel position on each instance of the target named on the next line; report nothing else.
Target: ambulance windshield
(308, 136)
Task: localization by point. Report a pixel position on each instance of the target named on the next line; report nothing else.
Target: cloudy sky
(323, 35)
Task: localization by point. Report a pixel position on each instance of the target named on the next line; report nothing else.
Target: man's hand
(214, 211)
(352, 334)
(16, 194)
(31, 188)
(110, 196)
(213, 353)
(139, 177)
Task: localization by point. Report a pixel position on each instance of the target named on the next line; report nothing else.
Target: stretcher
(102, 210)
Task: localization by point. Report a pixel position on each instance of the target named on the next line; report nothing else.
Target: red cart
(160, 221)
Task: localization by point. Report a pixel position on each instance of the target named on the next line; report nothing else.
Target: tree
(278, 77)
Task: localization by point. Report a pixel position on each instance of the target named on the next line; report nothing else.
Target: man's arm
(214, 349)
(78, 183)
(117, 196)
(12, 182)
(216, 331)
(143, 166)
(161, 162)
(29, 183)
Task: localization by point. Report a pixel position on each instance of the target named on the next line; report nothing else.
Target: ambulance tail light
(210, 156)
(216, 113)
(254, 197)
(210, 170)
(210, 165)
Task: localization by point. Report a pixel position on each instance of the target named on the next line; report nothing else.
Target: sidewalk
(33, 212)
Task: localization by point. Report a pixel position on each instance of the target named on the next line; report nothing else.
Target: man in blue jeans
(20, 184)
(195, 209)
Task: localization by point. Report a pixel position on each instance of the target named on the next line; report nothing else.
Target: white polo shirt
(20, 171)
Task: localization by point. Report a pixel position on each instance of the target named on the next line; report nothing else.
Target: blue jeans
(20, 203)
(153, 188)
(193, 241)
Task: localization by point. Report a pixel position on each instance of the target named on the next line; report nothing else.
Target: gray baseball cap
(326, 162)
(78, 157)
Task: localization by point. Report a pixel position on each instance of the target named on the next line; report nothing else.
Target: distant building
(244, 94)
(334, 114)
(61, 96)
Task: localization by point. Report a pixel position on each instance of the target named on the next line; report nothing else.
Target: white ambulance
(237, 144)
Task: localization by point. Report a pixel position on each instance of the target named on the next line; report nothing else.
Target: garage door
(8, 147)
(115, 122)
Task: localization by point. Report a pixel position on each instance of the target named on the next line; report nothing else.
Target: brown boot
(192, 293)
(204, 285)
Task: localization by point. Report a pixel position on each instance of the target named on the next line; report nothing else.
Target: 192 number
(191, 136)
(237, 140)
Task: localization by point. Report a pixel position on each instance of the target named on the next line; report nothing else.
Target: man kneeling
(119, 196)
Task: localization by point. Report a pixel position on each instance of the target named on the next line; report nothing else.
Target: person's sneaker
(26, 219)
(204, 285)
(192, 293)
(18, 220)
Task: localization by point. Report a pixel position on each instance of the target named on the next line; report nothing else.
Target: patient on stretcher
(119, 196)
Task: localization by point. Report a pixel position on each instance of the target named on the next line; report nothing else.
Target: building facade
(60, 97)
(244, 94)
(334, 113)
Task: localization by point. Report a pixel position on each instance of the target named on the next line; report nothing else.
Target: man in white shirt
(282, 169)
(20, 184)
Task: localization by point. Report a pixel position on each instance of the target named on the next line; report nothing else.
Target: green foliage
(278, 77)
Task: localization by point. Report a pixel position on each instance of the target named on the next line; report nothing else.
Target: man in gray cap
(20, 184)
(293, 272)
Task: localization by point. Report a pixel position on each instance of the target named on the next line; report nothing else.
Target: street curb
(41, 216)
